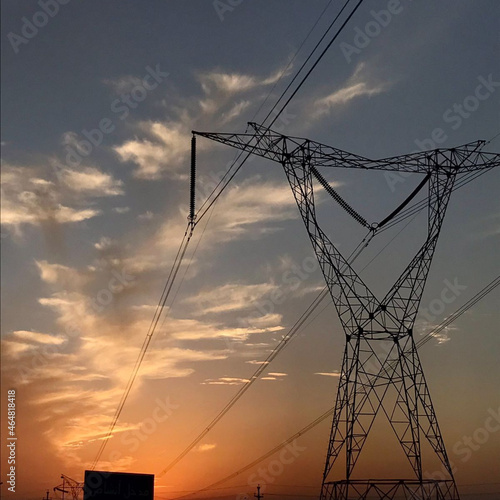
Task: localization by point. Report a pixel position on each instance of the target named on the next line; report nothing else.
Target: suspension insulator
(357, 217)
(192, 196)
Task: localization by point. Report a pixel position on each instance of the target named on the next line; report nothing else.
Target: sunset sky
(90, 231)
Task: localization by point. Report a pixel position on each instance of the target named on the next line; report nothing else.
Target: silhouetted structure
(69, 487)
(258, 495)
(380, 356)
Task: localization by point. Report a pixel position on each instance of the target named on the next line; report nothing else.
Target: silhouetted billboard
(102, 485)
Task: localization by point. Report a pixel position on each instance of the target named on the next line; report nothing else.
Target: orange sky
(87, 245)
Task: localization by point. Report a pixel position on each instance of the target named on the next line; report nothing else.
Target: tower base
(366, 489)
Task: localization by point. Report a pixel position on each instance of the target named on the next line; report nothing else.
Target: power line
(263, 457)
(470, 303)
(240, 153)
(316, 62)
(321, 55)
(304, 64)
(295, 328)
(182, 250)
(147, 340)
(291, 62)
(281, 345)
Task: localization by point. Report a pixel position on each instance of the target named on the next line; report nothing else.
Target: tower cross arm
(280, 148)
(466, 158)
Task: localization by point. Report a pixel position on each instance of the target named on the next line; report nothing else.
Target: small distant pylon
(258, 495)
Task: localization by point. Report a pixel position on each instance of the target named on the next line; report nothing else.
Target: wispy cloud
(235, 111)
(189, 329)
(61, 275)
(207, 447)
(121, 210)
(360, 84)
(328, 374)
(229, 297)
(74, 374)
(226, 381)
(251, 206)
(237, 380)
(31, 195)
(123, 84)
(442, 337)
(161, 148)
(165, 151)
(235, 82)
(92, 182)
(32, 200)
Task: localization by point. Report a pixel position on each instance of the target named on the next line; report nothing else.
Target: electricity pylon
(75, 487)
(369, 372)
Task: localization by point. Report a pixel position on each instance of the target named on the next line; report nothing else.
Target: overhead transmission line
(281, 345)
(184, 244)
(444, 324)
(187, 237)
(411, 211)
(290, 62)
(303, 65)
(287, 67)
(147, 340)
(228, 176)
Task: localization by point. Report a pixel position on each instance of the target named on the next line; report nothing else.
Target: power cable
(147, 340)
(291, 62)
(238, 156)
(232, 175)
(470, 303)
(174, 270)
(281, 345)
(320, 56)
(252, 464)
(305, 316)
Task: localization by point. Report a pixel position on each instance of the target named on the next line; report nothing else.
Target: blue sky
(88, 239)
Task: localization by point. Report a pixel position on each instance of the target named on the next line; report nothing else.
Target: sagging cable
(403, 205)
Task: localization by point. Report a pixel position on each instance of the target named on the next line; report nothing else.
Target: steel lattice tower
(380, 353)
